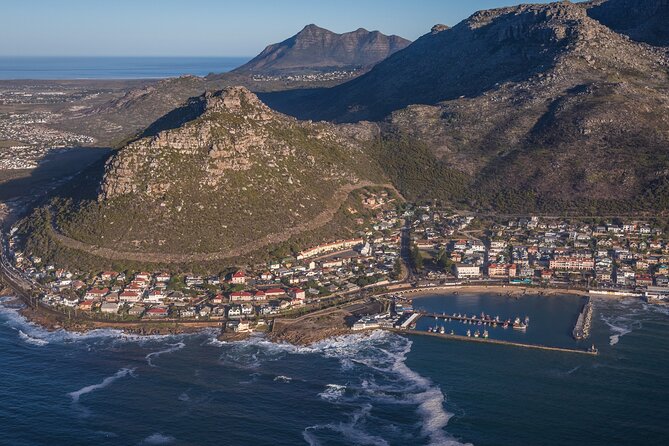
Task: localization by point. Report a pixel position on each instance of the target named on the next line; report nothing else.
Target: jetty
(455, 337)
(582, 328)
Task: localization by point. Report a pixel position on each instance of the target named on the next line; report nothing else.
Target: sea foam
(171, 349)
(106, 382)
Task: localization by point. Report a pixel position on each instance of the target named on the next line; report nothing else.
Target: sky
(205, 27)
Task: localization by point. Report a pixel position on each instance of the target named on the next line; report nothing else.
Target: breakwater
(493, 341)
(583, 323)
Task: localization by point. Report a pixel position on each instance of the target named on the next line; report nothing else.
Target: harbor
(504, 321)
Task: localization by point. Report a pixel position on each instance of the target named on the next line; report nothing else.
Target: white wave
(171, 349)
(620, 326)
(31, 340)
(351, 431)
(283, 379)
(105, 383)
(158, 438)
(333, 392)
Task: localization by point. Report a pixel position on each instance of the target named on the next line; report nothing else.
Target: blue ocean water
(383, 389)
(58, 68)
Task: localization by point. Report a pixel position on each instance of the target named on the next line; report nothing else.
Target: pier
(460, 318)
(494, 341)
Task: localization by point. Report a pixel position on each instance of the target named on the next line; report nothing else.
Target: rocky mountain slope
(522, 108)
(235, 173)
(315, 49)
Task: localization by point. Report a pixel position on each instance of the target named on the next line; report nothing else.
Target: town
(408, 248)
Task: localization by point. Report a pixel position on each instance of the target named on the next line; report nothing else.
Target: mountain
(233, 178)
(534, 107)
(642, 20)
(312, 50)
(315, 49)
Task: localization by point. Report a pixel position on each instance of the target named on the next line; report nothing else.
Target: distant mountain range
(535, 108)
(315, 49)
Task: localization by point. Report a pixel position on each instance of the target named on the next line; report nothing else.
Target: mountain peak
(315, 49)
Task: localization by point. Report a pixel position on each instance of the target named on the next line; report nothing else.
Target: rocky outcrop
(316, 49)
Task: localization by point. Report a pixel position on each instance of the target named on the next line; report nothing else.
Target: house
(274, 292)
(238, 278)
(267, 276)
(136, 310)
(129, 296)
(243, 326)
(163, 277)
(96, 293)
(260, 295)
(108, 275)
(218, 299)
(87, 305)
(145, 277)
(109, 308)
(155, 297)
(297, 293)
(501, 270)
(235, 311)
(248, 310)
(156, 312)
(241, 296)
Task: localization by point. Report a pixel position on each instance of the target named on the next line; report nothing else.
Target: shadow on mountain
(61, 173)
(177, 117)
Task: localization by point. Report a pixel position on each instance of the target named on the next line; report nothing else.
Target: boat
(452, 332)
(429, 329)
(477, 334)
(518, 325)
(593, 349)
(469, 333)
(485, 334)
(442, 330)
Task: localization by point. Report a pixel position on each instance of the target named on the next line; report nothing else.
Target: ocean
(107, 388)
(61, 68)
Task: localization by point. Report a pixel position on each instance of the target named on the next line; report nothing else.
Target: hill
(315, 49)
(642, 20)
(234, 178)
(534, 107)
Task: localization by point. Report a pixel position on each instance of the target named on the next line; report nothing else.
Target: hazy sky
(205, 27)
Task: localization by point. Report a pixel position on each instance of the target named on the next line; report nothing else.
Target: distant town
(410, 248)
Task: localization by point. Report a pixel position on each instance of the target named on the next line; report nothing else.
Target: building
(572, 263)
(501, 270)
(238, 278)
(329, 247)
(463, 271)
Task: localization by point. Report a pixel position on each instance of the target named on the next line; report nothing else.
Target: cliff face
(316, 49)
(236, 173)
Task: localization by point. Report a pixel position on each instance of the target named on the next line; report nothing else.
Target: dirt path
(149, 257)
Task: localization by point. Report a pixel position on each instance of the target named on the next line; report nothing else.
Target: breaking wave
(31, 340)
(122, 373)
(283, 379)
(375, 364)
(171, 349)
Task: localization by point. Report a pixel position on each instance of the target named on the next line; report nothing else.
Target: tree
(417, 257)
